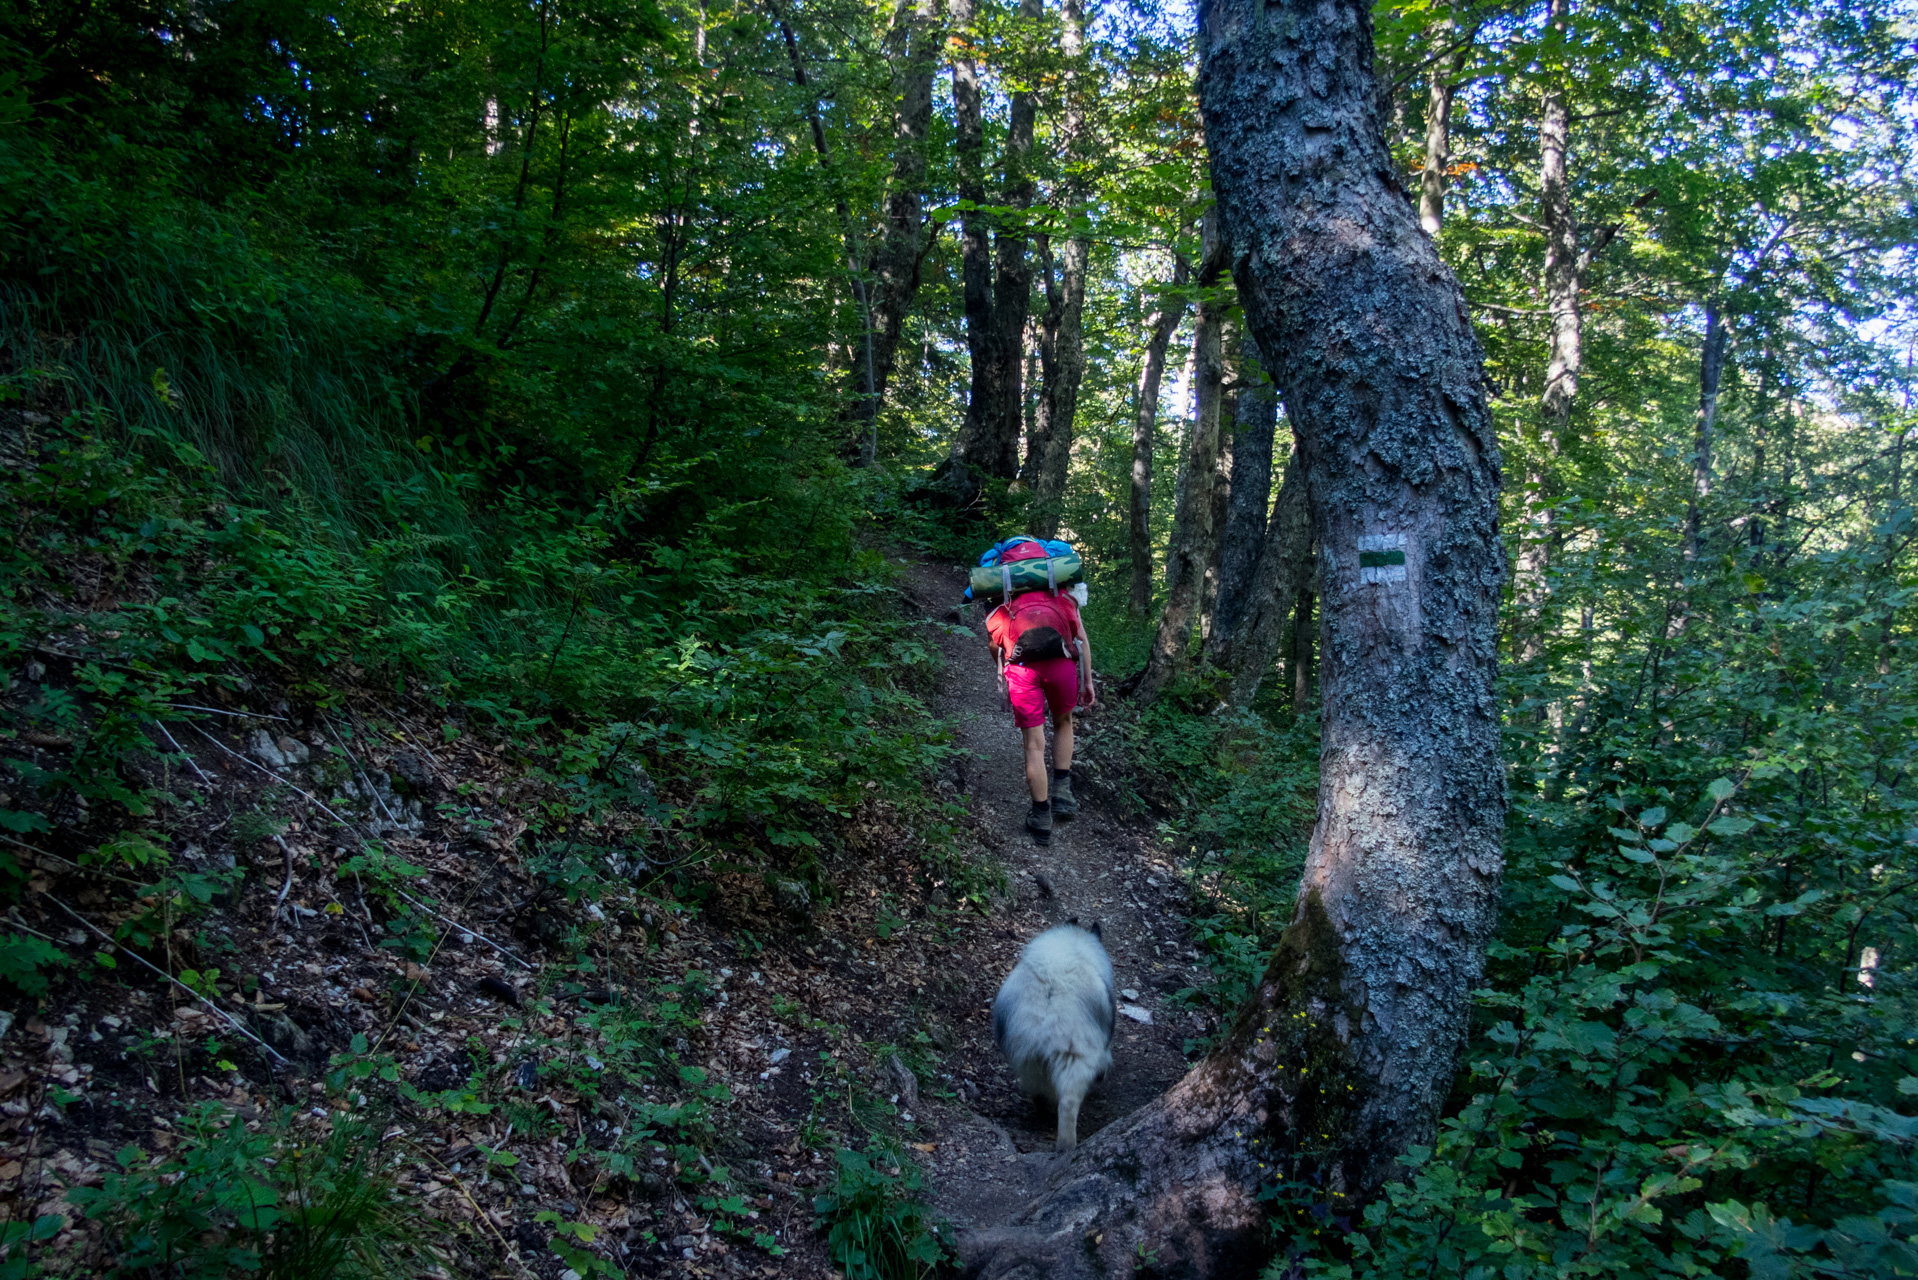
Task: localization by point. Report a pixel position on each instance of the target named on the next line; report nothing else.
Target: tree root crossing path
(994, 1150)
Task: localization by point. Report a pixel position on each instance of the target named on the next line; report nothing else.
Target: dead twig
(238, 715)
(466, 929)
(142, 961)
(287, 852)
(309, 796)
(371, 790)
(181, 752)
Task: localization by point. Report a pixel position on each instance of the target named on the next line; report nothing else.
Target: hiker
(1045, 664)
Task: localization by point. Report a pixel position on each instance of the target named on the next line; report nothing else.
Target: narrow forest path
(993, 1149)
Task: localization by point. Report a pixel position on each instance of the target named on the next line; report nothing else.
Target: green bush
(272, 1202)
(878, 1225)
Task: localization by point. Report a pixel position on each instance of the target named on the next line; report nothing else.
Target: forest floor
(870, 1012)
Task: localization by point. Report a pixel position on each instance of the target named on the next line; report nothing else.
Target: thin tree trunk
(997, 422)
(1285, 571)
(912, 47)
(1340, 1058)
(1561, 250)
(1305, 647)
(978, 441)
(1438, 127)
(1145, 420)
(1255, 421)
(1059, 397)
(1221, 508)
(1064, 375)
(1565, 359)
(864, 364)
(1192, 529)
(1711, 368)
(1042, 335)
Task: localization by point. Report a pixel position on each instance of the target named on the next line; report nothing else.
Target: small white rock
(1130, 994)
(779, 1055)
(1137, 1014)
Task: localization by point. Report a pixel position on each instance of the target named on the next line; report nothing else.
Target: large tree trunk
(1193, 533)
(1145, 420)
(1255, 420)
(1285, 572)
(912, 47)
(1065, 372)
(1342, 1055)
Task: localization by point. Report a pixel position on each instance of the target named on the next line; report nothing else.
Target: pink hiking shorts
(1052, 683)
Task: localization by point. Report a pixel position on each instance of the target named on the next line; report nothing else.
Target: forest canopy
(578, 364)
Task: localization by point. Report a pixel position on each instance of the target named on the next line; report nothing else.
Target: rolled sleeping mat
(993, 582)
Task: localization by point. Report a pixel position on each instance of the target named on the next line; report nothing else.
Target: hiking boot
(1039, 822)
(1064, 807)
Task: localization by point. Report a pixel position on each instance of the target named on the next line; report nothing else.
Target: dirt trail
(993, 1148)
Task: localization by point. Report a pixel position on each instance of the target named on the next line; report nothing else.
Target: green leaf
(1722, 789)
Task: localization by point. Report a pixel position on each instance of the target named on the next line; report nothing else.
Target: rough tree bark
(912, 47)
(1193, 534)
(1255, 421)
(1342, 1055)
(1145, 420)
(1285, 572)
(1065, 373)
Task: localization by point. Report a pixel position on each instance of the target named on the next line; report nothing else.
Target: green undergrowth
(1693, 1052)
(143, 589)
(283, 1198)
(877, 1219)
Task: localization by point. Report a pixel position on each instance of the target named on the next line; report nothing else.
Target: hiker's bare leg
(1036, 775)
(1061, 744)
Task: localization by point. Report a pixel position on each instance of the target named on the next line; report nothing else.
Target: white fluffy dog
(1053, 1020)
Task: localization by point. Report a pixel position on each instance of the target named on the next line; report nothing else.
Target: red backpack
(1034, 626)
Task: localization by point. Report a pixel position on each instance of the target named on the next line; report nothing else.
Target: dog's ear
(1096, 932)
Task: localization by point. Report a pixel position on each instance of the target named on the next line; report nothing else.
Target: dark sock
(1061, 773)
(1040, 806)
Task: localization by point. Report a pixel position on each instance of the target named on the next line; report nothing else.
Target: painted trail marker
(1381, 557)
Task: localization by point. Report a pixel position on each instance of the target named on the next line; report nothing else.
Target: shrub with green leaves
(877, 1221)
(274, 1202)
